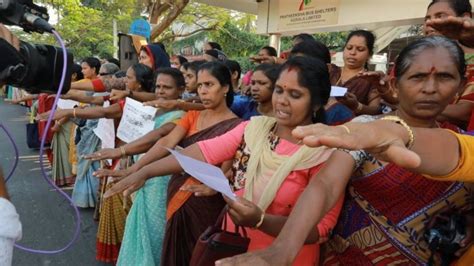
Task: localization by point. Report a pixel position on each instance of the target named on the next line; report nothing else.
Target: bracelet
(122, 151)
(260, 222)
(398, 120)
(74, 112)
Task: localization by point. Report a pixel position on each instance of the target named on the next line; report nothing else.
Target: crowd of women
(312, 187)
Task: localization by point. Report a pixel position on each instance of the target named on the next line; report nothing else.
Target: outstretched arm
(166, 166)
(175, 104)
(155, 153)
(138, 146)
(457, 28)
(83, 85)
(82, 97)
(386, 140)
(318, 198)
(113, 111)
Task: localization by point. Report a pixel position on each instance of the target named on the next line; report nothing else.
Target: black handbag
(32, 136)
(217, 243)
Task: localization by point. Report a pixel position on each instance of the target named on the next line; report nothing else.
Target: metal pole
(275, 41)
(115, 34)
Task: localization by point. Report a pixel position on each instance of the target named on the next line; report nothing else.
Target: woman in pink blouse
(270, 167)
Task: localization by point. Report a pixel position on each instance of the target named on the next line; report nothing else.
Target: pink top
(286, 197)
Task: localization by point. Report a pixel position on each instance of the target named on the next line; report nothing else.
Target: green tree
(87, 26)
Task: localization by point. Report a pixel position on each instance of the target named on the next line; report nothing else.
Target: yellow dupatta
(266, 170)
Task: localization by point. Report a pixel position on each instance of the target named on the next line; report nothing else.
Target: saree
(145, 224)
(187, 215)
(338, 114)
(386, 212)
(112, 215)
(85, 190)
(62, 168)
(112, 212)
(362, 88)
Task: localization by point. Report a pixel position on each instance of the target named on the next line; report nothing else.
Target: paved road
(48, 219)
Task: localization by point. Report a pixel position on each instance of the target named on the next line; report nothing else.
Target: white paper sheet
(67, 104)
(137, 120)
(208, 174)
(105, 131)
(337, 91)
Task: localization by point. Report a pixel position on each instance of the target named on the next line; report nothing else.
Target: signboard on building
(307, 13)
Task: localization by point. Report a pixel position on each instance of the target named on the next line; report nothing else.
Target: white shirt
(10, 231)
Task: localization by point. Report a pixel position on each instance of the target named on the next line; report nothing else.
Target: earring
(315, 115)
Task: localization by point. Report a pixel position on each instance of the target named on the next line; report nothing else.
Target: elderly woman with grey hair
(108, 69)
(388, 209)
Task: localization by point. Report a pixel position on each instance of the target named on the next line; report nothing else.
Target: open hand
(128, 185)
(457, 28)
(104, 154)
(264, 59)
(383, 139)
(59, 114)
(115, 174)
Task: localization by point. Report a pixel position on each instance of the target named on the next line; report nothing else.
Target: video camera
(35, 67)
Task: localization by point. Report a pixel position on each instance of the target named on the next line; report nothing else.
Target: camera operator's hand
(9, 37)
(3, 188)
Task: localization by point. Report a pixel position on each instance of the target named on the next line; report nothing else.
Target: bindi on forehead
(433, 70)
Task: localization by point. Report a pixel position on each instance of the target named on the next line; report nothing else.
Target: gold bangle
(398, 120)
(260, 222)
(122, 151)
(74, 112)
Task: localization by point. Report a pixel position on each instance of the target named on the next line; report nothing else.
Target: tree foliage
(87, 26)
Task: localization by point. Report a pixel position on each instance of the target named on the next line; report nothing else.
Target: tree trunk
(163, 13)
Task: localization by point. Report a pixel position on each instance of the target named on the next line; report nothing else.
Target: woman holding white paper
(145, 224)
(362, 96)
(270, 167)
(187, 215)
